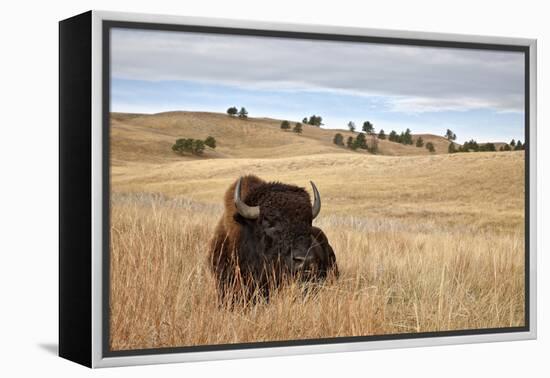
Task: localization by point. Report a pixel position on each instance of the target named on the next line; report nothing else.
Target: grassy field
(423, 243)
(139, 138)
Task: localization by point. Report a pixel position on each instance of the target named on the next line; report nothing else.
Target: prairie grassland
(423, 243)
(149, 137)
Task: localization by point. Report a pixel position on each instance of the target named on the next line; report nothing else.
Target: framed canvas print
(235, 189)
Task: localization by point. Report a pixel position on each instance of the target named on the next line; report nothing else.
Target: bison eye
(298, 259)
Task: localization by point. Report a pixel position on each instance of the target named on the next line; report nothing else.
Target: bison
(264, 237)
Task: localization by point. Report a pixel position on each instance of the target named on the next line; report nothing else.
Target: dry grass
(423, 243)
(394, 278)
(477, 189)
(149, 138)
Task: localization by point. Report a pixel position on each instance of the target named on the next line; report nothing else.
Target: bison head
(277, 232)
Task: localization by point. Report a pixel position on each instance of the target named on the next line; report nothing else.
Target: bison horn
(316, 209)
(249, 212)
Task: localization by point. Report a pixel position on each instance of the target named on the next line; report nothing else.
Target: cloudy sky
(478, 94)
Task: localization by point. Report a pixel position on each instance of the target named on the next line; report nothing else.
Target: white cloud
(427, 104)
(414, 79)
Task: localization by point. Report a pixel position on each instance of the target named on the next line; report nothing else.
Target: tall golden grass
(423, 243)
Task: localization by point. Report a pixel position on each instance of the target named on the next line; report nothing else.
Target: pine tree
(368, 127)
(360, 141)
(210, 141)
(188, 145)
(232, 111)
(350, 143)
(178, 146)
(338, 139)
(297, 128)
(285, 125)
(471, 145)
(198, 146)
(381, 134)
(490, 147)
(243, 113)
(450, 135)
(407, 137)
(519, 146)
(314, 120)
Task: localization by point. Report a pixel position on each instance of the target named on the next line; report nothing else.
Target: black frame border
(75, 189)
(107, 25)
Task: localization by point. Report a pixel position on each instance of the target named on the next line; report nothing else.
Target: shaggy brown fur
(240, 265)
(231, 227)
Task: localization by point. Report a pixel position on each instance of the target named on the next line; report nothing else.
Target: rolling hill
(143, 137)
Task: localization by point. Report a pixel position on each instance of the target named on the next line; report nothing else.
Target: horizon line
(324, 128)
